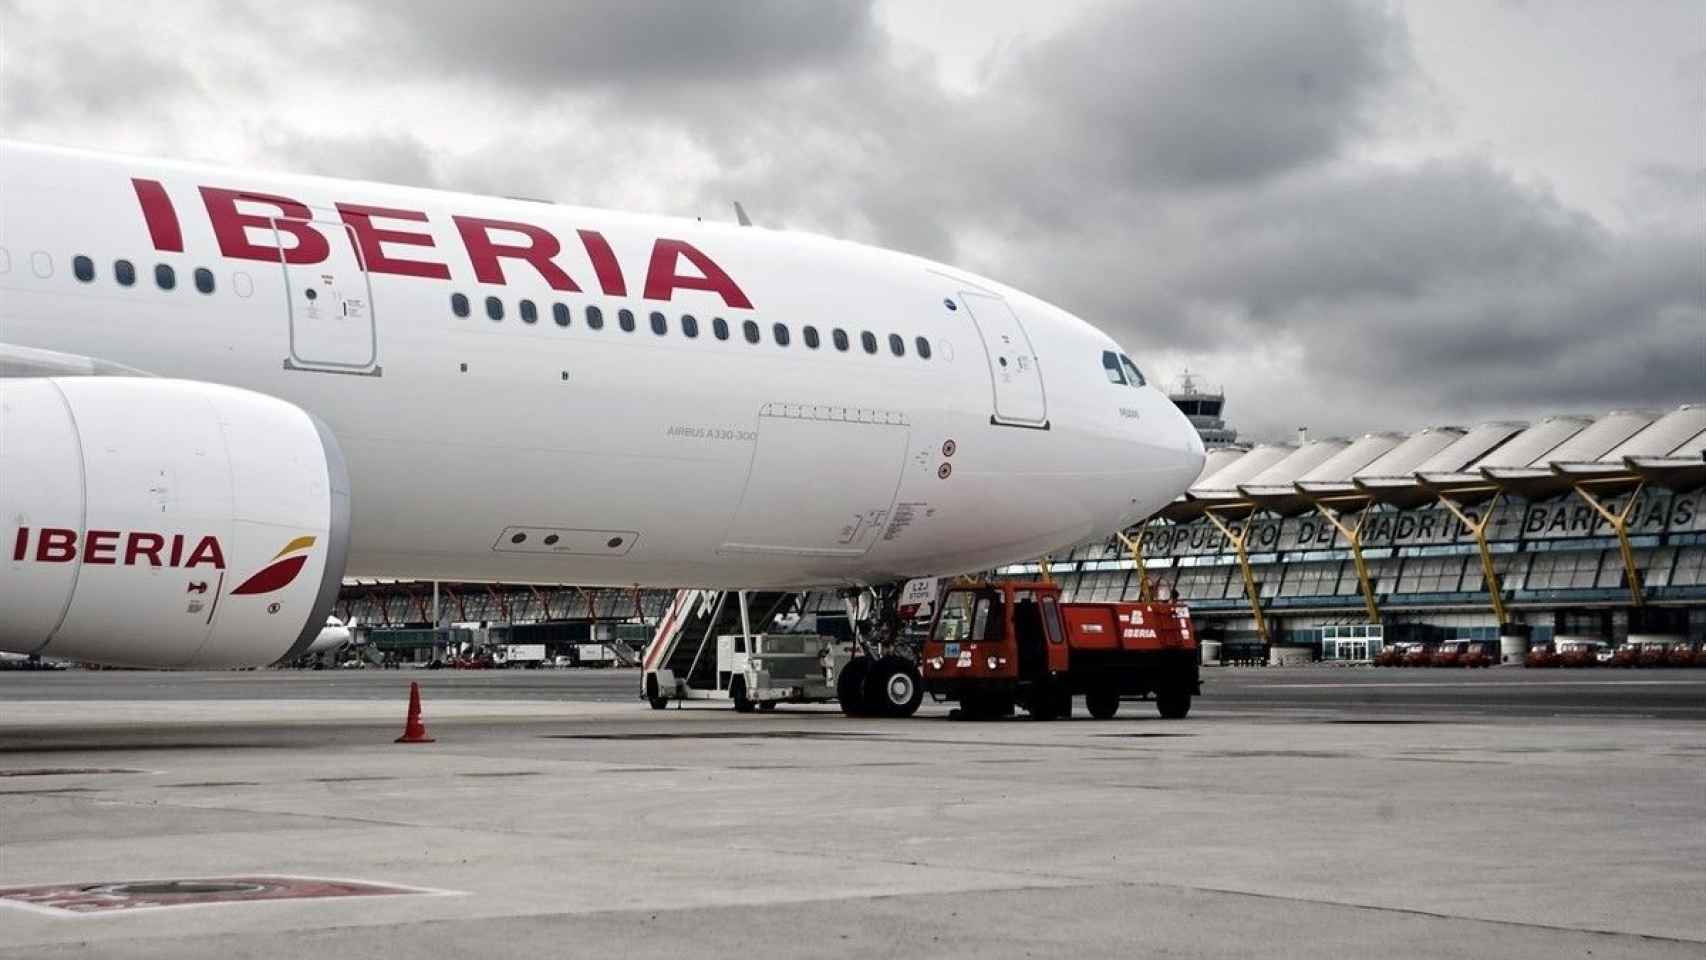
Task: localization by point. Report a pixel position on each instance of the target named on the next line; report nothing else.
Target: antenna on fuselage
(740, 215)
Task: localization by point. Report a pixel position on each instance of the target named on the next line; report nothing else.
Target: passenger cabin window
(204, 279)
(458, 302)
(494, 308)
(780, 331)
(660, 323)
(689, 326)
(83, 268)
(125, 273)
(625, 320)
(749, 330)
(560, 313)
(719, 328)
(809, 335)
(594, 318)
(869, 341)
(164, 276)
(840, 338)
(897, 346)
(529, 312)
(1132, 374)
(1111, 367)
(923, 346)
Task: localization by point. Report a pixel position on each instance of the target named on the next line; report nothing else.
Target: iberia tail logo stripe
(279, 573)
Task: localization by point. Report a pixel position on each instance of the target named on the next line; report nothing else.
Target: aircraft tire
(653, 694)
(850, 686)
(737, 693)
(894, 688)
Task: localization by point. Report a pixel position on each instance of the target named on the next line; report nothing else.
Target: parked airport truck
(996, 646)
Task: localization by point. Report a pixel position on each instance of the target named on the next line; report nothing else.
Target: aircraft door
(1017, 381)
(788, 508)
(330, 305)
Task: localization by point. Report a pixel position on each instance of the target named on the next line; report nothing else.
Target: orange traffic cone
(414, 731)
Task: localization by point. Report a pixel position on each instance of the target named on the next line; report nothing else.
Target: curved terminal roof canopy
(1260, 457)
(1406, 457)
(1603, 436)
(1471, 446)
(1347, 462)
(1218, 459)
(1532, 445)
(1302, 460)
(1669, 435)
(1613, 453)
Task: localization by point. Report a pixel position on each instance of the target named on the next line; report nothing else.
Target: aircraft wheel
(767, 706)
(737, 693)
(850, 686)
(653, 694)
(894, 688)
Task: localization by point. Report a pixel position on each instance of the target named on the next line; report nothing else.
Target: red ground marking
(123, 895)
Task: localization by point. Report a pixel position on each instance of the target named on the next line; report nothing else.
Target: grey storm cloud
(1205, 181)
(628, 45)
(1194, 94)
(91, 74)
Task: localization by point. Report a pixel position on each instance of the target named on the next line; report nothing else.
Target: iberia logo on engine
(137, 548)
(133, 548)
(281, 571)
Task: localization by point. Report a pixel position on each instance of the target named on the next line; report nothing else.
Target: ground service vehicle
(994, 646)
(1461, 653)
(1577, 654)
(525, 655)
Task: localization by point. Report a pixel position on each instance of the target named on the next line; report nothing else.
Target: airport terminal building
(1568, 527)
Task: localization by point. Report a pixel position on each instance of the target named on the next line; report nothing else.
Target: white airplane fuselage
(536, 448)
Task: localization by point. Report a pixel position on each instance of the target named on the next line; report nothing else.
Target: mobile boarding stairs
(723, 645)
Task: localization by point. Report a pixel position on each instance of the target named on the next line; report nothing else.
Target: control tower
(1204, 407)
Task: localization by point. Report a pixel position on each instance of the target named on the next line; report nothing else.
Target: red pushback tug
(994, 646)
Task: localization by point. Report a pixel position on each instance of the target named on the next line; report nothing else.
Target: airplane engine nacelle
(165, 523)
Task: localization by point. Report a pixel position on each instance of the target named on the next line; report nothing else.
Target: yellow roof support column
(1250, 590)
(1353, 536)
(1489, 576)
(1619, 521)
(1046, 569)
(1145, 586)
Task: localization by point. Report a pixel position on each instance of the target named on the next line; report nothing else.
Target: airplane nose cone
(1169, 455)
(1183, 436)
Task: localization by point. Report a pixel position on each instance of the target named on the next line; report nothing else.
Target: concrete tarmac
(1302, 812)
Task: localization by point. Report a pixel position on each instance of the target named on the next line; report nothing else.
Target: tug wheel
(1102, 702)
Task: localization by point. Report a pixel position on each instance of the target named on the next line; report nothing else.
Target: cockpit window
(1111, 367)
(1132, 374)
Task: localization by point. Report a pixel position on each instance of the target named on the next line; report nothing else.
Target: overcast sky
(1355, 216)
